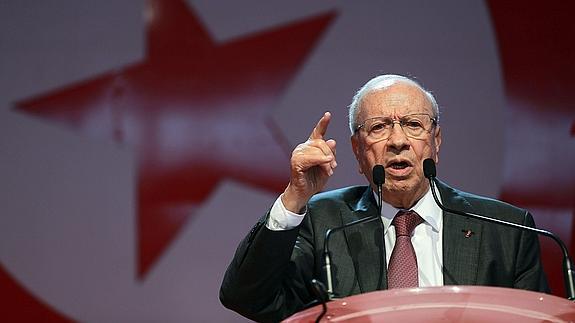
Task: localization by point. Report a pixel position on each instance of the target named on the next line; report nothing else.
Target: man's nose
(397, 138)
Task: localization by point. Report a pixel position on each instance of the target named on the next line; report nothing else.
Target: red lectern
(445, 304)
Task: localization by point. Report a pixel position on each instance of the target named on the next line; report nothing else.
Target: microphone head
(429, 168)
(378, 175)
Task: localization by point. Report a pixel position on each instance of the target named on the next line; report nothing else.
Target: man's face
(401, 155)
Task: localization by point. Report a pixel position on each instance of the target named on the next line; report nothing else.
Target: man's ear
(355, 145)
(437, 141)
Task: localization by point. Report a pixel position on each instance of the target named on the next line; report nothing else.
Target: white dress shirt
(426, 239)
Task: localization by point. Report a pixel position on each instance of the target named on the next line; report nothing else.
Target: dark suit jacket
(269, 275)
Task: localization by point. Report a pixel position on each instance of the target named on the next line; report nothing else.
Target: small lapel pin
(468, 233)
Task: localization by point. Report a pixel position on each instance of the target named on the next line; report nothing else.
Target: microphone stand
(327, 254)
(567, 265)
(378, 180)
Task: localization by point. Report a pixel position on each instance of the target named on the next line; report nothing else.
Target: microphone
(430, 173)
(378, 178)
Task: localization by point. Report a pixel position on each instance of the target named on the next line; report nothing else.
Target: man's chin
(398, 185)
(402, 193)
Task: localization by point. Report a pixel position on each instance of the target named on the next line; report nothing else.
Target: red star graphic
(195, 112)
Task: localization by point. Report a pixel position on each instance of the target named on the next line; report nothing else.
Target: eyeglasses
(415, 126)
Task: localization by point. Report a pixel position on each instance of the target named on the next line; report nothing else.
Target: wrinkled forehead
(395, 99)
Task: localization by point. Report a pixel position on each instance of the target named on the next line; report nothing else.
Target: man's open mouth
(398, 165)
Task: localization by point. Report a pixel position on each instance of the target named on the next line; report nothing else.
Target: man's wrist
(293, 202)
(281, 218)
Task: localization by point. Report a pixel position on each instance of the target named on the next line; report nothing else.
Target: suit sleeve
(529, 272)
(268, 276)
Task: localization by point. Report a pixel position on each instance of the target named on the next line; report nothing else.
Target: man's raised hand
(312, 163)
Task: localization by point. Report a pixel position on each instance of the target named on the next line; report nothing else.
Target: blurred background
(141, 140)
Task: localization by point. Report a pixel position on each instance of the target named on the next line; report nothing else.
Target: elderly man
(394, 123)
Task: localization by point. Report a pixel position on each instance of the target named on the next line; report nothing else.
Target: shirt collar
(425, 207)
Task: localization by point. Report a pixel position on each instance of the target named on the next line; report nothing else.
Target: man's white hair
(380, 82)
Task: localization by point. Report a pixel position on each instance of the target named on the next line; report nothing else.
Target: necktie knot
(405, 222)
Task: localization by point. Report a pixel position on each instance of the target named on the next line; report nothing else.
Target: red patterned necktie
(402, 269)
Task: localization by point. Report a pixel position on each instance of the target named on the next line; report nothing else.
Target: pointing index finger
(320, 129)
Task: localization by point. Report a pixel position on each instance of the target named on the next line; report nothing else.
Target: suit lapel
(365, 243)
(461, 240)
